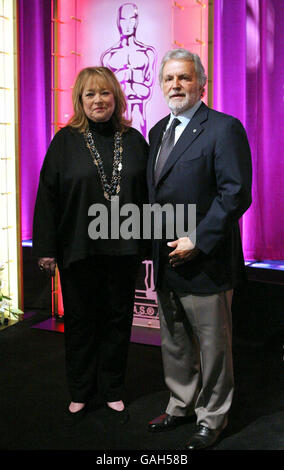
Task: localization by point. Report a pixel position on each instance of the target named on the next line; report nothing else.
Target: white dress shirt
(184, 118)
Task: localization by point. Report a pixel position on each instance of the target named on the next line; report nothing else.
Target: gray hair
(184, 54)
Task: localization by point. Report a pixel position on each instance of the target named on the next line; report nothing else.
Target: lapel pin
(194, 130)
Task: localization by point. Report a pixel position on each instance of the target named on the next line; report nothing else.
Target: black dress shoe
(203, 438)
(166, 422)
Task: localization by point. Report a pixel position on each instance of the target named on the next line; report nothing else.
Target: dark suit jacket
(209, 166)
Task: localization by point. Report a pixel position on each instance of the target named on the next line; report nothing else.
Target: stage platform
(271, 271)
(139, 334)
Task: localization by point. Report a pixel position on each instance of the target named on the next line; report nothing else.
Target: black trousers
(98, 297)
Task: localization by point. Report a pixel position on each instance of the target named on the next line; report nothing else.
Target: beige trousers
(196, 339)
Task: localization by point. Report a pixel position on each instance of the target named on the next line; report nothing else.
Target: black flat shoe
(121, 416)
(203, 438)
(167, 422)
(75, 418)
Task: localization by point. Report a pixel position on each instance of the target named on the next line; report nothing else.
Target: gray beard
(188, 102)
(177, 108)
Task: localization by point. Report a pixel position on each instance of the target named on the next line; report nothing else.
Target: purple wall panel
(35, 99)
(249, 84)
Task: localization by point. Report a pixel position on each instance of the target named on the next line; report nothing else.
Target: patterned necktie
(166, 147)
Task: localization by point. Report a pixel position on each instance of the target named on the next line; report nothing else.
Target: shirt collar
(187, 115)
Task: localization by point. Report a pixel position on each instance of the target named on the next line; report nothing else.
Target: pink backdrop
(96, 30)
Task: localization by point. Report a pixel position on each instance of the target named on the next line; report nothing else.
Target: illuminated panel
(190, 29)
(9, 183)
(65, 58)
(65, 54)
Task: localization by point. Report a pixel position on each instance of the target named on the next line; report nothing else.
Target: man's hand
(184, 251)
(48, 265)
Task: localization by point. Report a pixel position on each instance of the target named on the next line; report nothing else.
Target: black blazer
(209, 166)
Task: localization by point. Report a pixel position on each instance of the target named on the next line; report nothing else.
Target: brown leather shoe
(166, 422)
(203, 438)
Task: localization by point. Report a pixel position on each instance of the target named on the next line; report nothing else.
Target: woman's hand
(48, 265)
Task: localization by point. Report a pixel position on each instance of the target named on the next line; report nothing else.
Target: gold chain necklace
(112, 188)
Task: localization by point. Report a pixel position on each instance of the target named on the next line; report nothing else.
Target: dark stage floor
(34, 396)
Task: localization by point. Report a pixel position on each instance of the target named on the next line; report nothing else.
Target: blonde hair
(79, 119)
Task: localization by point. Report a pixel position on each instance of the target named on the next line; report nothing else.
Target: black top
(69, 184)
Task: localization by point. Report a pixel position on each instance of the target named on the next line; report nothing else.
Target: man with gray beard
(197, 156)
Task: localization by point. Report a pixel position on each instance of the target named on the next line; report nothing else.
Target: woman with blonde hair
(95, 163)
